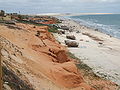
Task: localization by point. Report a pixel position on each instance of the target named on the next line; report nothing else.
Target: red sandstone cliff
(35, 56)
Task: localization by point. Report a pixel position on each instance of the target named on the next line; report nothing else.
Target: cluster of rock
(71, 42)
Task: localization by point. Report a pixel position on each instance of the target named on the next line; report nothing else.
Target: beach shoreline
(33, 53)
(96, 49)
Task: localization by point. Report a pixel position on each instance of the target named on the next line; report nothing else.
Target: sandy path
(104, 59)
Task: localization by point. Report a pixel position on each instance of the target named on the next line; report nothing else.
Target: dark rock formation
(71, 43)
(72, 37)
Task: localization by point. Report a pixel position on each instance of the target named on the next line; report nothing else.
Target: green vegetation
(5, 18)
(2, 13)
(53, 29)
(72, 56)
(30, 22)
(80, 64)
(84, 67)
(21, 17)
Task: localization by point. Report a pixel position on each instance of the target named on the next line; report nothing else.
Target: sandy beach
(60, 45)
(99, 51)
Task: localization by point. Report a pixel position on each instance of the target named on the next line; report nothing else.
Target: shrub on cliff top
(53, 29)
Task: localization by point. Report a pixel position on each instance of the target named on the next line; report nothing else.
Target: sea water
(107, 23)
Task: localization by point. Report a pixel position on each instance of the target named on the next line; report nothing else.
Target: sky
(60, 6)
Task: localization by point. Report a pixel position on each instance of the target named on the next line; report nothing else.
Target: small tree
(2, 13)
(21, 17)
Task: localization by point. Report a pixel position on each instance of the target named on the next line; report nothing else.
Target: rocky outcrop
(11, 55)
(13, 81)
(64, 28)
(72, 37)
(71, 43)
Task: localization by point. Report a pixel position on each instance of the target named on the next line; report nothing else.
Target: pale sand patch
(104, 59)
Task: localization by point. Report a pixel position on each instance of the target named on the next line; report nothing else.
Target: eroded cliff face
(33, 55)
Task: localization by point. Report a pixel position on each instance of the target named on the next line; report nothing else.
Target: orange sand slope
(41, 56)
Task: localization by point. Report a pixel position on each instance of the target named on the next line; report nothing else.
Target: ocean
(108, 23)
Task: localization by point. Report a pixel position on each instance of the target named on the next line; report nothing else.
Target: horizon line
(68, 14)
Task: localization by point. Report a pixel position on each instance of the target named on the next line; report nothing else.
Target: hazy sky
(60, 6)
